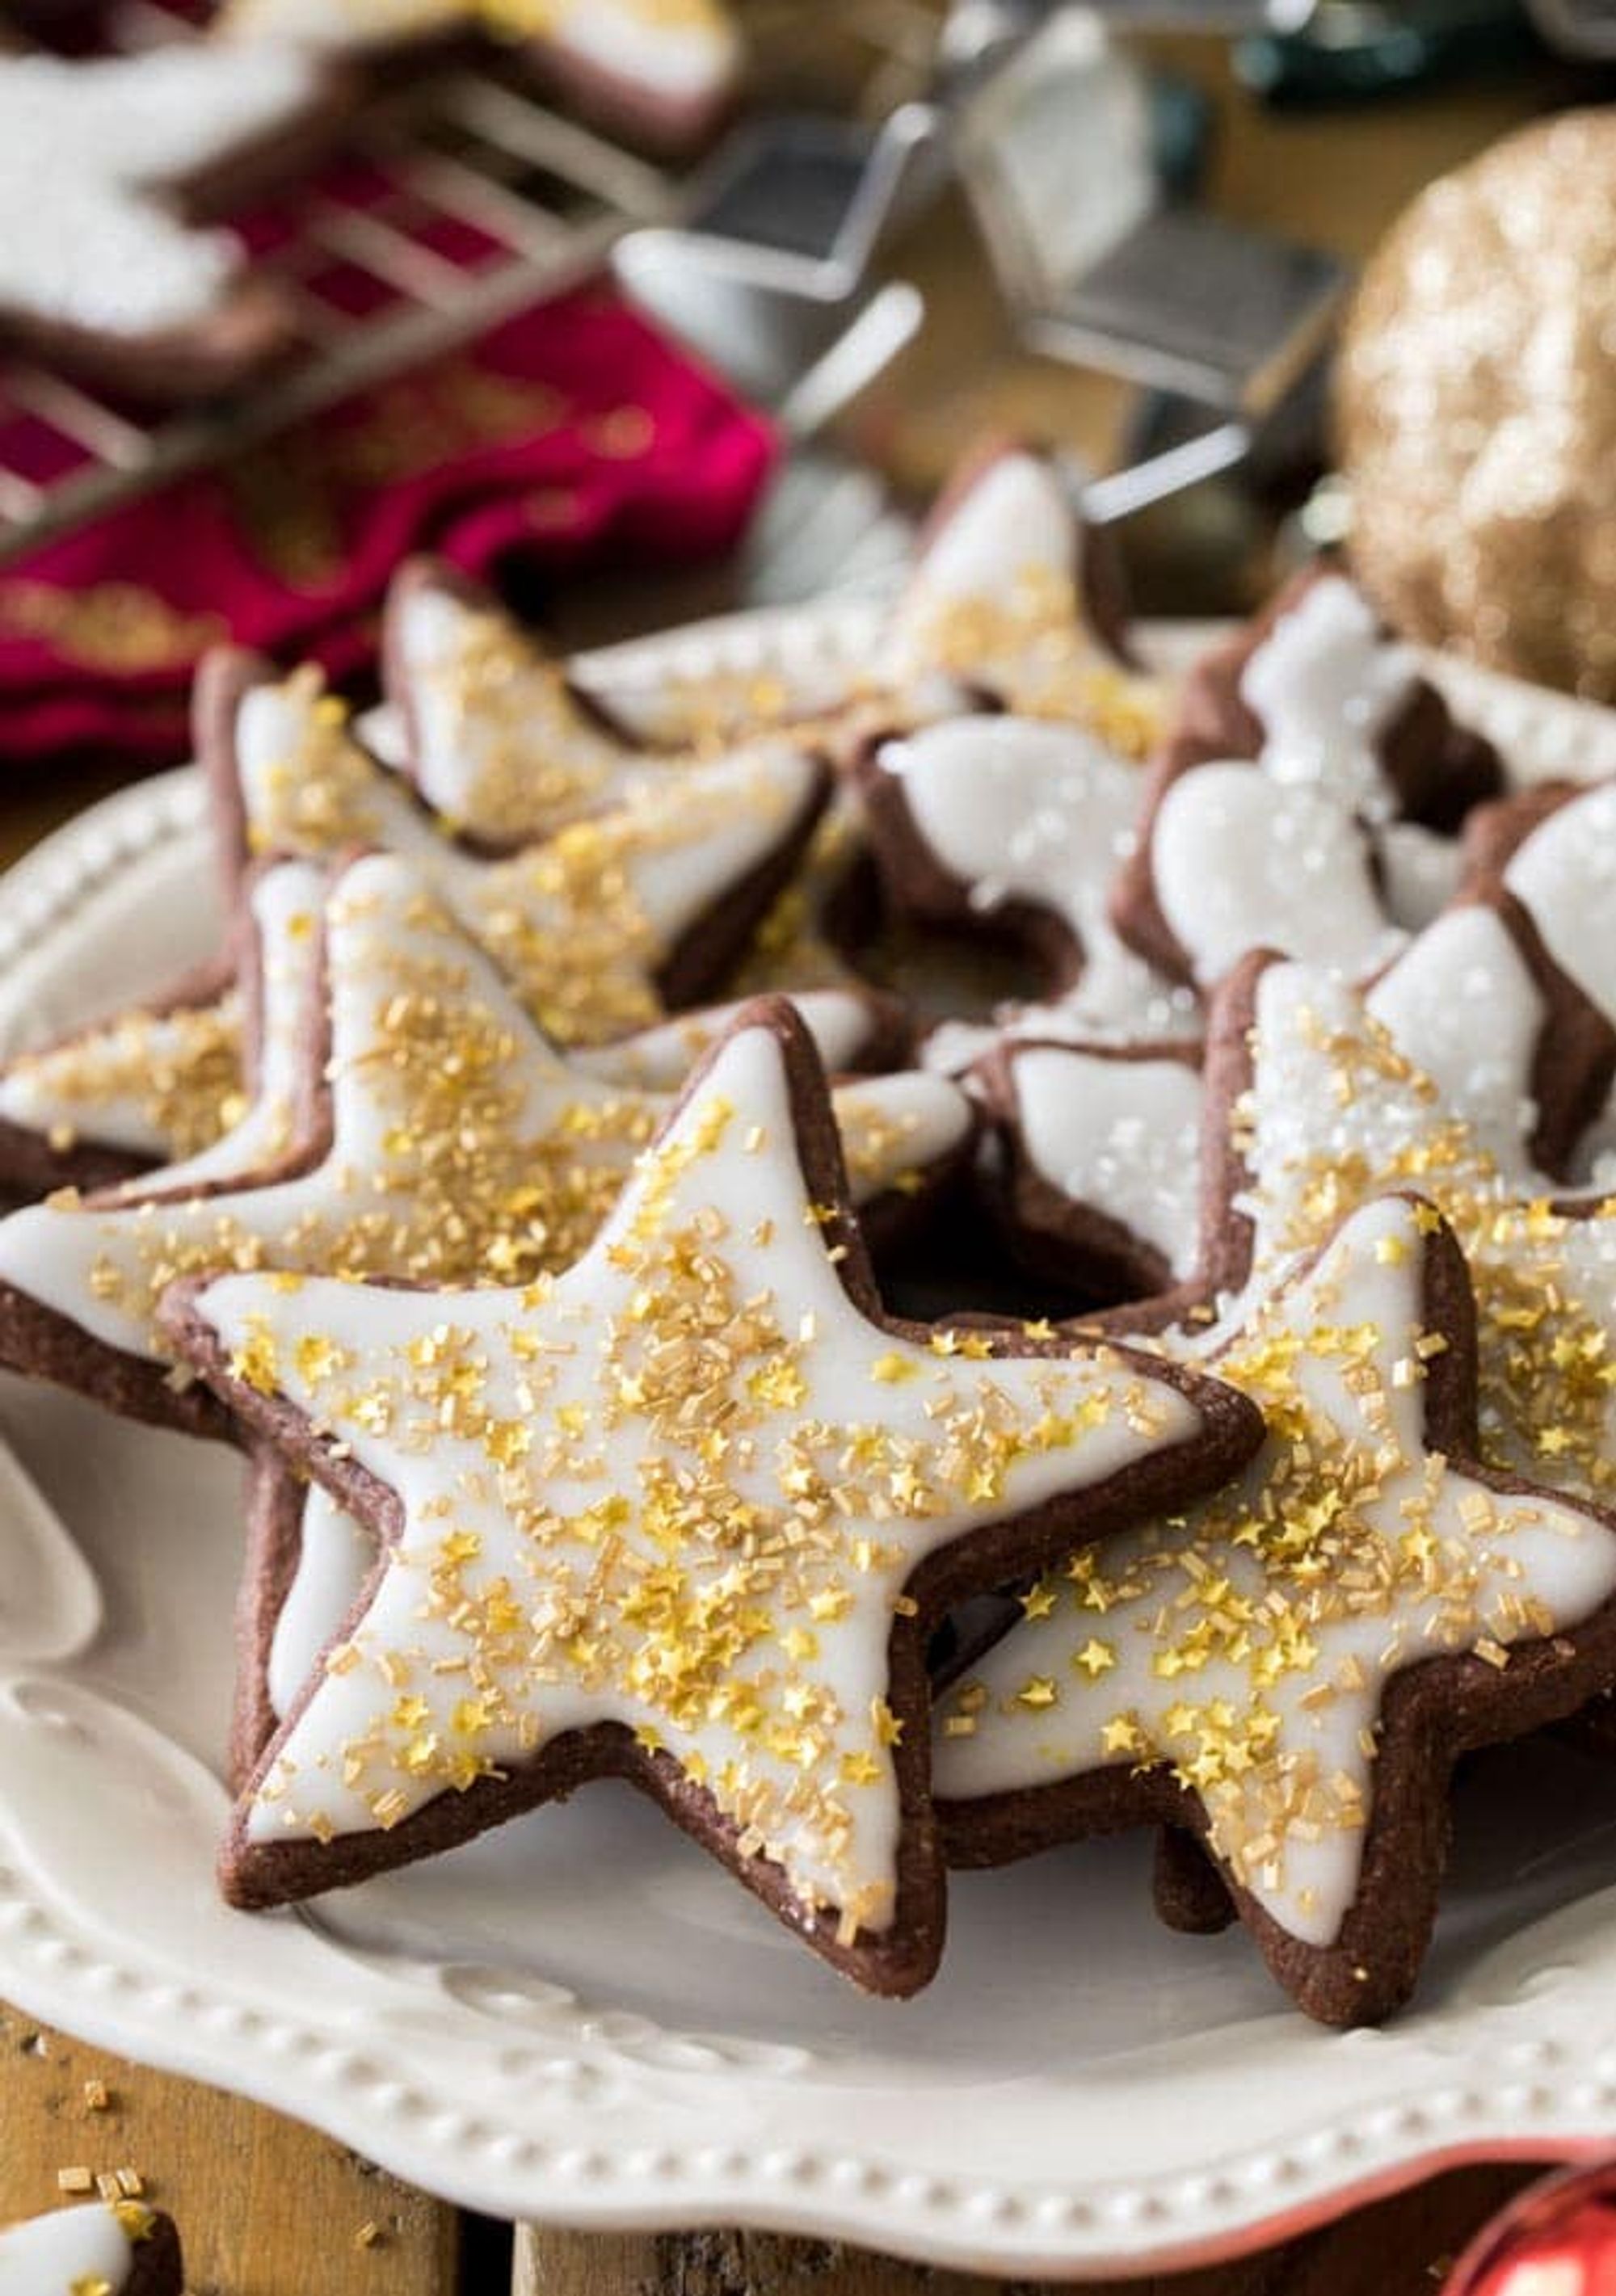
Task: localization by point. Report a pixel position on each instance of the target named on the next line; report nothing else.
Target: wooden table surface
(269, 2208)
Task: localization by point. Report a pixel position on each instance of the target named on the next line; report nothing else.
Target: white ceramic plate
(583, 2019)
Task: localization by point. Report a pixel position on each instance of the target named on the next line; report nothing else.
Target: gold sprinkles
(641, 1509)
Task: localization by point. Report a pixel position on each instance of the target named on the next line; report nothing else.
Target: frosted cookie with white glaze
(1313, 1109)
(1304, 801)
(500, 743)
(307, 1564)
(1472, 1055)
(439, 1138)
(1014, 828)
(124, 2250)
(603, 928)
(113, 275)
(681, 1515)
(1289, 1669)
(1317, 686)
(1010, 604)
(664, 72)
(1014, 599)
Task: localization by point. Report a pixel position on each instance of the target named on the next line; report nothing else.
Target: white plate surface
(581, 2019)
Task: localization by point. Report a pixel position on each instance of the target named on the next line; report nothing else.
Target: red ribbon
(571, 435)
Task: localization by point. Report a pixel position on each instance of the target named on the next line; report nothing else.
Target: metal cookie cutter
(1103, 265)
(1048, 123)
(768, 273)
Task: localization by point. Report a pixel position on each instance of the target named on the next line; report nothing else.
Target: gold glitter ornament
(1476, 409)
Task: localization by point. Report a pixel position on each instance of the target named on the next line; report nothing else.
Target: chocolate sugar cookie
(1289, 1669)
(716, 1368)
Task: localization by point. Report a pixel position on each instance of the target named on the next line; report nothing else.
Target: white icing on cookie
(1119, 1136)
(890, 1131)
(1249, 1647)
(149, 1083)
(953, 1046)
(1336, 1112)
(71, 2252)
(1326, 685)
(463, 1147)
(995, 604)
(501, 747)
(1564, 874)
(1014, 529)
(839, 1020)
(1460, 1003)
(171, 1085)
(1241, 861)
(88, 237)
(581, 922)
(335, 1557)
(595, 1474)
(1041, 813)
(1420, 871)
(286, 902)
(895, 1129)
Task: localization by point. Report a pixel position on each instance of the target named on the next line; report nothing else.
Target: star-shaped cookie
(603, 928)
(681, 1515)
(108, 273)
(1298, 802)
(1011, 604)
(440, 1139)
(1490, 1048)
(1315, 1109)
(1291, 1668)
(1014, 599)
(501, 745)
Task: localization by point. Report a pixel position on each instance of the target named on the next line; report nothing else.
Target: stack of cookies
(625, 1378)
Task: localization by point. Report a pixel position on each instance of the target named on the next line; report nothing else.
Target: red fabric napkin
(571, 433)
